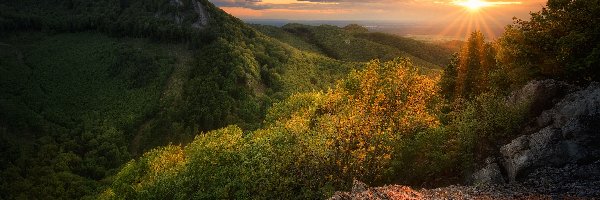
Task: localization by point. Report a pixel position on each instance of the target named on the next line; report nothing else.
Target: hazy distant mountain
(346, 45)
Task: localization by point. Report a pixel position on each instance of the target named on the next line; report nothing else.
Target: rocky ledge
(556, 157)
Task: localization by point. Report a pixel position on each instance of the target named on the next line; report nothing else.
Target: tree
(355, 28)
(468, 74)
(448, 81)
(560, 41)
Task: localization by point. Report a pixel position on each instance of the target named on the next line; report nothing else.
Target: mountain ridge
(151, 79)
(334, 42)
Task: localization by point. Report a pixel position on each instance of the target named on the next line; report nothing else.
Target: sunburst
(475, 15)
(473, 5)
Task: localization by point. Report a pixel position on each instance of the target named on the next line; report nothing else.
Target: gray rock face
(542, 94)
(490, 174)
(578, 180)
(568, 133)
(203, 16)
(177, 3)
(199, 9)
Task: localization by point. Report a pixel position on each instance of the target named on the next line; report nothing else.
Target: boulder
(542, 94)
(567, 133)
(490, 174)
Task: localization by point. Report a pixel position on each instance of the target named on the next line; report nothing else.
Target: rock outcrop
(566, 134)
(198, 10)
(202, 20)
(559, 151)
(578, 180)
(558, 155)
(490, 174)
(541, 95)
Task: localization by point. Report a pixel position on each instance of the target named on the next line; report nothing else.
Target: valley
(177, 99)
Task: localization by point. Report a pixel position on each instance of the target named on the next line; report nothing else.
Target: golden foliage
(163, 162)
(167, 161)
(313, 143)
(376, 108)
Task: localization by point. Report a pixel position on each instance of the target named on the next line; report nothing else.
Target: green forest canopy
(374, 126)
(390, 122)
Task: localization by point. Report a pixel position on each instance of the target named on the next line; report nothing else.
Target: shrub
(560, 41)
(483, 124)
(314, 143)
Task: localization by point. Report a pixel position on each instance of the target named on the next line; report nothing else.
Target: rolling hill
(176, 99)
(354, 43)
(88, 85)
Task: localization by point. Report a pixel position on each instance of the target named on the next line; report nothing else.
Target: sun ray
(474, 17)
(473, 5)
(476, 5)
(487, 18)
(458, 17)
(464, 26)
(472, 27)
(486, 28)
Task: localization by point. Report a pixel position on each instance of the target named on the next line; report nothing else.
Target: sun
(472, 5)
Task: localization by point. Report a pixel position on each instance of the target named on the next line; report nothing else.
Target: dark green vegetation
(561, 41)
(69, 104)
(288, 38)
(125, 17)
(87, 86)
(81, 95)
(311, 144)
(381, 124)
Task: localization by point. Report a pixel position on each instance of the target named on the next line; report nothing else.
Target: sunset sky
(456, 14)
(402, 10)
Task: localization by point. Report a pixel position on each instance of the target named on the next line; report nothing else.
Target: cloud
(271, 4)
(355, 1)
(315, 4)
(366, 9)
(306, 4)
(253, 4)
(333, 1)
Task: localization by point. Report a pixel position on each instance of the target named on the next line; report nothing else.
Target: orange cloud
(282, 13)
(243, 12)
(393, 10)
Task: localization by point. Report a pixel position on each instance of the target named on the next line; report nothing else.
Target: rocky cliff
(196, 13)
(556, 156)
(559, 151)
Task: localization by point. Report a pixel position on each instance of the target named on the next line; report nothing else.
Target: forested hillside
(175, 99)
(435, 54)
(311, 144)
(89, 85)
(288, 38)
(67, 115)
(386, 123)
(355, 43)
